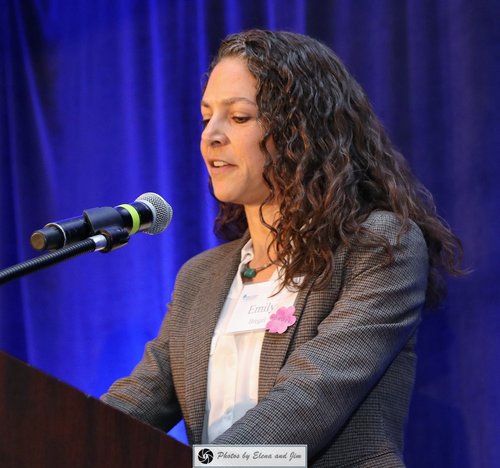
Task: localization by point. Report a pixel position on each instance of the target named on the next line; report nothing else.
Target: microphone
(149, 213)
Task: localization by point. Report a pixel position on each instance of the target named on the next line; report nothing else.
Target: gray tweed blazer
(338, 380)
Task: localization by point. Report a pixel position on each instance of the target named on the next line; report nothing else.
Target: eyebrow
(229, 101)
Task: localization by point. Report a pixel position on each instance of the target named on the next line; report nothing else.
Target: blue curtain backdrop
(99, 102)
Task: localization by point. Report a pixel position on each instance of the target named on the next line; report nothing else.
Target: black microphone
(149, 213)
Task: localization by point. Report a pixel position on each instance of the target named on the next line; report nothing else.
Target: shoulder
(402, 237)
(211, 259)
(388, 225)
(392, 244)
(206, 272)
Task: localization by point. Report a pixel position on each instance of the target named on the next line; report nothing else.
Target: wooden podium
(45, 423)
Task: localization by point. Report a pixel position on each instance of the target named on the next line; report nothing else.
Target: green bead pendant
(249, 273)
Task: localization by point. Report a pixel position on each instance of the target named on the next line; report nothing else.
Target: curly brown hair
(333, 164)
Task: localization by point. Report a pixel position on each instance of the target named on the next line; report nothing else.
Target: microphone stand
(106, 240)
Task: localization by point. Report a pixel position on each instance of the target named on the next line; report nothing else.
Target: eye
(239, 119)
(204, 122)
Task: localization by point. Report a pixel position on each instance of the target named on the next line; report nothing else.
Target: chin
(237, 199)
(226, 198)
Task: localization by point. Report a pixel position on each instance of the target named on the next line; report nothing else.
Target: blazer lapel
(201, 326)
(275, 347)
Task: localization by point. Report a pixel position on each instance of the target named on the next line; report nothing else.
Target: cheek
(253, 146)
(257, 169)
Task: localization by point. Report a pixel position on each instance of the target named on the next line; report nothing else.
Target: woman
(302, 329)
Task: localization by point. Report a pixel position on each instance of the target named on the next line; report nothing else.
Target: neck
(260, 234)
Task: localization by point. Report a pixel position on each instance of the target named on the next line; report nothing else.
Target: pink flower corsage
(281, 320)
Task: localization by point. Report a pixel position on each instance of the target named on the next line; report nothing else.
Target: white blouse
(233, 368)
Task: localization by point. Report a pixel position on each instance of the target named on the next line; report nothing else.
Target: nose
(213, 134)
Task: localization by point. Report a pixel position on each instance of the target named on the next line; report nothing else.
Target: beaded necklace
(249, 272)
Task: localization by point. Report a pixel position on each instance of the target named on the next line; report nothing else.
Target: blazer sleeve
(148, 392)
(325, 379)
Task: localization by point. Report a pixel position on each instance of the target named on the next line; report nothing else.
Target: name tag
(254, 307)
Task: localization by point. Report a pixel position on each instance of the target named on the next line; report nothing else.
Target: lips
(219, 166)
(219, 163)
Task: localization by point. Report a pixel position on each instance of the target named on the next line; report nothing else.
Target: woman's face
(231, 135)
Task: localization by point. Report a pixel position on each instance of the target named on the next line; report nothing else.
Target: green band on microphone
(136, 221)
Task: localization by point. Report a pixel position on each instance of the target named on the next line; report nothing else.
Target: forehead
(230, 78)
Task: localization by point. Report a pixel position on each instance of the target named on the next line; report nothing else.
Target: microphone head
(162, 211)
